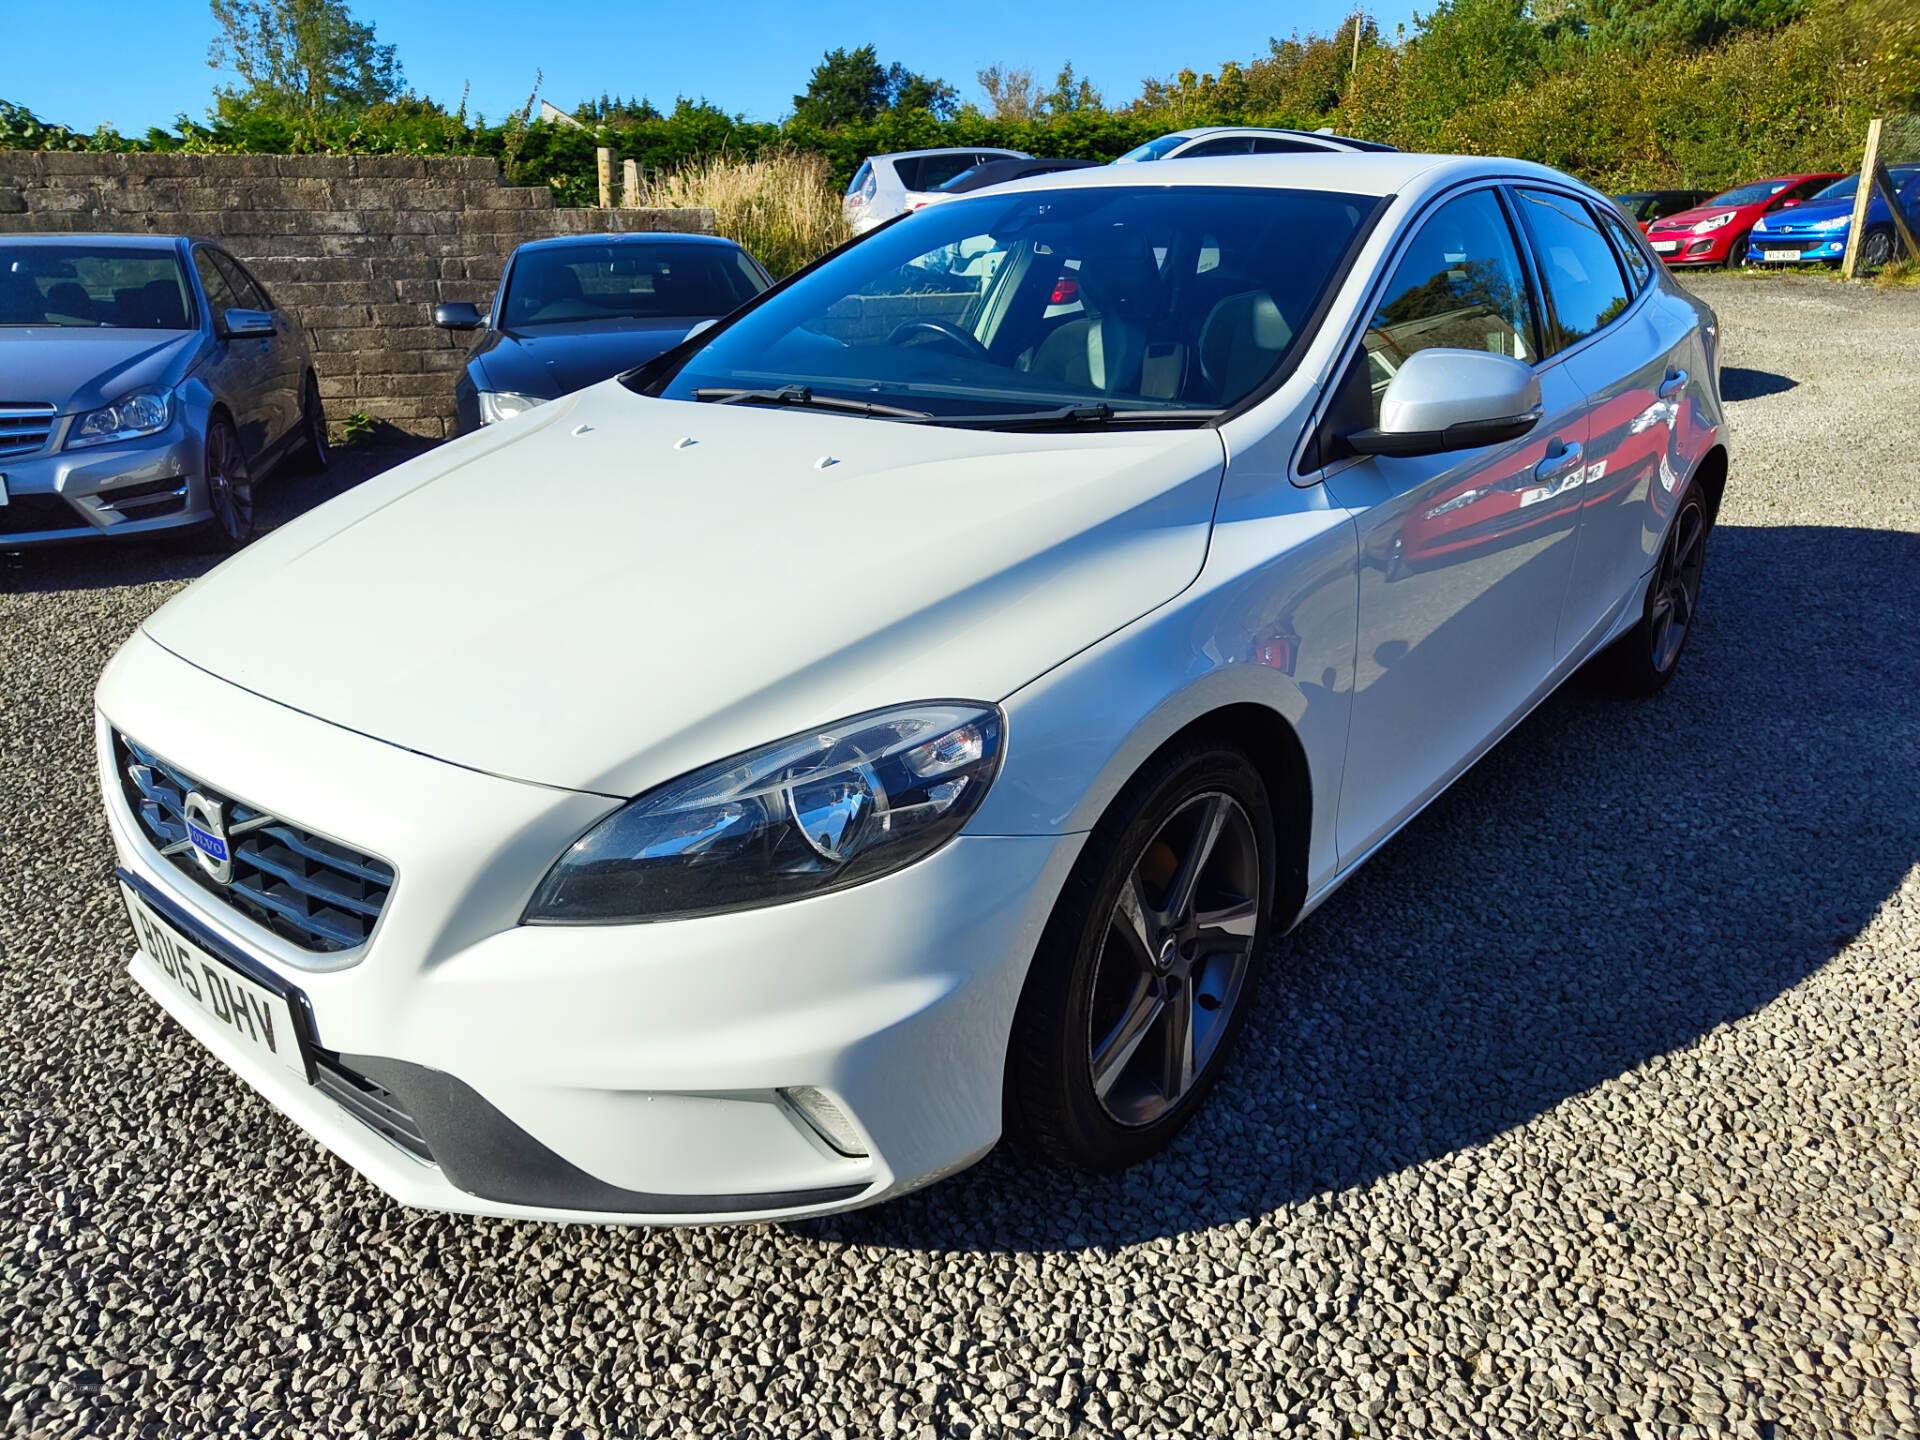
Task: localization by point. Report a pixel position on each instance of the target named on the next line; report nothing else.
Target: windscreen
(1153, 149)
(80, 285)
(1750, 194)
(571, 284)
(1165, 299)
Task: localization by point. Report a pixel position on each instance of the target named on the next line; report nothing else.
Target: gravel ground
(1587, 1110)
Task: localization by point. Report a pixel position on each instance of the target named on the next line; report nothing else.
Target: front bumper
(606, 1073)
(135, 488)
(1810, 249)
(1691, 249)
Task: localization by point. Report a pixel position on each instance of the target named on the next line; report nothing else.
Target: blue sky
(135, 65)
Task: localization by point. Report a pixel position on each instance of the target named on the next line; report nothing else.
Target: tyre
(1142, 977)
(229, 489)
(1876, 247)
(315, 451)
(1644, 659)
(1736, 252)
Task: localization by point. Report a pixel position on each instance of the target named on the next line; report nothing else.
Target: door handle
(1676, 380)
(1554, 466)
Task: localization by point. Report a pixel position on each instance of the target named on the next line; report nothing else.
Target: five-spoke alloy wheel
(1140, 981)
(1647, 656)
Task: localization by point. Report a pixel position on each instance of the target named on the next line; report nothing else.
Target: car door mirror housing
(1441, 400)
(458, 315)
(246, 325)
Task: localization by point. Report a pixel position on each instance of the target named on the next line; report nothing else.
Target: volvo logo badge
(207, 829)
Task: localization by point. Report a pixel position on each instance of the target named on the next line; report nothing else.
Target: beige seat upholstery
(1240, 342)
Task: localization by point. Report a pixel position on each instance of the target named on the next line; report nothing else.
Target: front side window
(1179, 300)
(1458, 285)
(213, 280)
(1225, 145)
(577, 284)
(1583, 280)
(250, 295)
(80, 285)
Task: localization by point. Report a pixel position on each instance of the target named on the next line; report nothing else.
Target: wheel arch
(1711, 476)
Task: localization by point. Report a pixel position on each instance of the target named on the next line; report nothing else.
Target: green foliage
(356, 429)
(300, 58)
(852, 87)
(21, 129)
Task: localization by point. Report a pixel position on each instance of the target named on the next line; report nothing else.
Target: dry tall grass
(782, 206)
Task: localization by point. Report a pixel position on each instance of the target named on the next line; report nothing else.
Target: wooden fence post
(630, 184)
(604, 157)
(1863, 192)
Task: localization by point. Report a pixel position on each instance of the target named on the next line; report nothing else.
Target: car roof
(1373, 172)
(107, 240)
(629, 237)
(954, 150)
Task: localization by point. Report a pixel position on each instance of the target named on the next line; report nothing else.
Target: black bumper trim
(485, 1154)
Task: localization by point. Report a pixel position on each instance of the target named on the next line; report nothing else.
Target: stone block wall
(360, 247)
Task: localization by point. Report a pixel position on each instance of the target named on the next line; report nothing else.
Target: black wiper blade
(1100, 413)
(803, 395)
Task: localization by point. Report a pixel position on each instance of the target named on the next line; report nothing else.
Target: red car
(1715, 232)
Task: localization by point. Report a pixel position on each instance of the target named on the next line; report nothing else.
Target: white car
(1206, 142)
(907, 713)
(888, 185)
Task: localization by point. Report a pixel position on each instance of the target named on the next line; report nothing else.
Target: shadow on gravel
(99, 564)
(1617, 879)
(1739, 384)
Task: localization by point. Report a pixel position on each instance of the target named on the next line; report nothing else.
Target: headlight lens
(144, 412)
(498, 405)
(1838, 222)
(802, 816)
(1714, 224)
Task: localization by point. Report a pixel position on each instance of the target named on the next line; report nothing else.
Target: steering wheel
(962, 340)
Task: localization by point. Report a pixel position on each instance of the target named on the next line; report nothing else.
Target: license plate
(1666, 247)
(1779, 254)
(245, 1009)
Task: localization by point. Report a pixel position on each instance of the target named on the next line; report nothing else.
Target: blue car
(1816, 232)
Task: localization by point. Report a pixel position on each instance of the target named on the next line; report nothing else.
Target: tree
(1070, 94)
(305, 56)
(852, 87)
(1010, 94)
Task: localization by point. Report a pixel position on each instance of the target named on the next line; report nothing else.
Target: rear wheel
(316, 451)
(1644, 659)
(1141, 980)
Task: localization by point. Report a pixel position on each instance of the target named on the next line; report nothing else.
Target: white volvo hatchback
(904, 712)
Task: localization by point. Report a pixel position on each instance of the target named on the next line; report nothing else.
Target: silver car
(146, 383)
(888, 185)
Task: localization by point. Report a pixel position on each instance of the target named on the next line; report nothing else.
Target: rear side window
(1458, 285)
(862, 185)
(1584, 283)
(1638, 266)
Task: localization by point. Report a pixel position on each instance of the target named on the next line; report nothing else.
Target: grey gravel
(1588, 1110)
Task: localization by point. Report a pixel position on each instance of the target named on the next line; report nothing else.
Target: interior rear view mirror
(1442, 400)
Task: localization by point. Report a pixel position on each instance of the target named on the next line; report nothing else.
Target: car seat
(1240, 342)
(1119, 345)
(20, 302)
(69, 298)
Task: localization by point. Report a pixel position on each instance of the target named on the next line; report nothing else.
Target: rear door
(239, 372)
(1625, 346)
(1464, 557)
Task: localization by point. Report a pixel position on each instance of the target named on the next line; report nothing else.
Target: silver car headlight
(498, 405)
(1714, 224)
(144, 412)
(802, 816)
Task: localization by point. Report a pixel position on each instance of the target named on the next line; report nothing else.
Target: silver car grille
(25, 427)
(312, 891)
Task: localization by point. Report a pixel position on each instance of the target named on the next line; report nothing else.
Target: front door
(240, 372)
(1464, 557)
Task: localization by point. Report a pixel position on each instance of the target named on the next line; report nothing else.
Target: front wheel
(229, 489)
(1736, 252)
(1142, 977)
(1876, 247)
(1644, 659)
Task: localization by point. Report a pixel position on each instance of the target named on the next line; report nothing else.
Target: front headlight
(1714, 224)
(802, 816)
(1838, 222)
(144, 412)
(498, 405)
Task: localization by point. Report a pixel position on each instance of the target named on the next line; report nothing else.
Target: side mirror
(246, 325)
(1442, 400)
(458, 315)
(1788, 204)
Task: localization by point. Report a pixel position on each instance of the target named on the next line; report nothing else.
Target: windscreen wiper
(803, 395)
(1066, 416)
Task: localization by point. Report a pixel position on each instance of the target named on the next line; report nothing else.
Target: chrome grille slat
(313, 891)
(25, 427)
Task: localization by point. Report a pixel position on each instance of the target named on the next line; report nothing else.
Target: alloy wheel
(1876, 249)
(1174, 959)
(229, 485)
(1676, 592)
